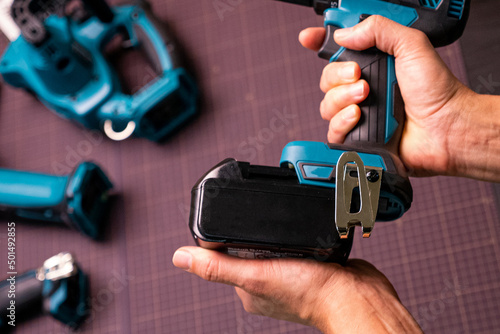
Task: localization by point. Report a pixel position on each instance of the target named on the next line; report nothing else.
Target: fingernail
(342, 33)
(350, 114)
(182, 259)
(301, 34)
(347, 72)
(321, 106)
(358, 90)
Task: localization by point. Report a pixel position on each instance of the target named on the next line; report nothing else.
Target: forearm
(474, 139)
(368, 311)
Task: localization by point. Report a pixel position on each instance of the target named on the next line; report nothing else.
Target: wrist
(474, 139)
(366, 309)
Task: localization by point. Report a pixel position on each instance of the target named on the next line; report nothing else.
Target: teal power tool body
(59, 288)
(79, 200)
(308, 205)
(61, 58)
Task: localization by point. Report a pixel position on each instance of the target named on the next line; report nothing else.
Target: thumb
(312, 38)
(214, 266)
(387, 35)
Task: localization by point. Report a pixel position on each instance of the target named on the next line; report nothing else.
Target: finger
(342, 123)
(247, 300)
(340, 97)
(336, 74)
(214, 266)
(312, 38)
(385, 34)
(257, 305)
(242, 294)
(258, 277)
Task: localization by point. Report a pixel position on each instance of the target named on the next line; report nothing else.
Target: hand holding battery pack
(328, 296)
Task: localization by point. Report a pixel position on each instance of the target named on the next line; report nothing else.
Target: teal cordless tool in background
(79, 200)
(59, 288)
(59, 54)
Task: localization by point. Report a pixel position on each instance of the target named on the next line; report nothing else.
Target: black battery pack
(263, 212)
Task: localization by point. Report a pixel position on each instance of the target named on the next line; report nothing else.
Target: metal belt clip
(57, 267)
(352, 173)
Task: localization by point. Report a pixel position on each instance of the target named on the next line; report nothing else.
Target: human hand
(335, 299)
(434, 99)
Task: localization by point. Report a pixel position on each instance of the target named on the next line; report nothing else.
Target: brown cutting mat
(443, 257)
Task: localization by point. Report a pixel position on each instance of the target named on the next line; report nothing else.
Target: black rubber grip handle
(375, 128)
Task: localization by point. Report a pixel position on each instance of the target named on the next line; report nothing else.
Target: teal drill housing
(79, 200)
(69, 72)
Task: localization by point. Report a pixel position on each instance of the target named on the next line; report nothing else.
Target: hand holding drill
(445, 120)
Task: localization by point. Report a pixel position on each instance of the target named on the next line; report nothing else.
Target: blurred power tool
(307, 207)
(79, 200)
(58, 287)
(58, 51)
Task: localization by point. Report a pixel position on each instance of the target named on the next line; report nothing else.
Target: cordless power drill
(59, 288)
(60, 51)
(307, 206)
(79, 201)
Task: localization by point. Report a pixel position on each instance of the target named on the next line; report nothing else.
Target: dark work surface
(481, 49)
(251, 70)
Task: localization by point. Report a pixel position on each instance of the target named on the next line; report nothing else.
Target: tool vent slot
(433, 4)
(456, 8)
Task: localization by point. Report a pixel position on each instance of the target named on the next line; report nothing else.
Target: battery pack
(255, 211)
(263, 212)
